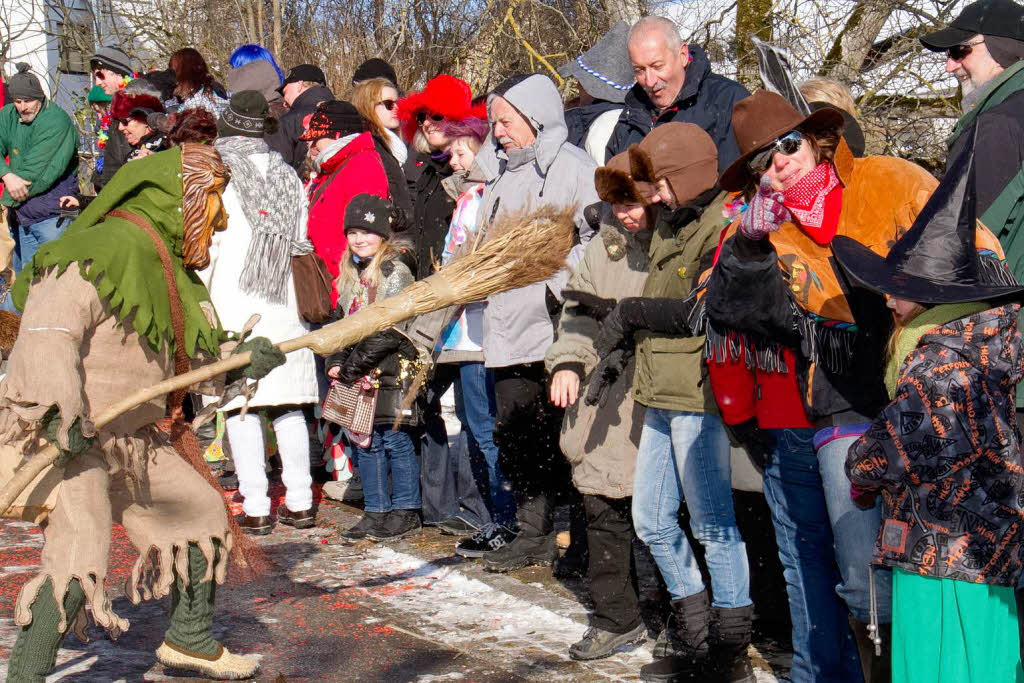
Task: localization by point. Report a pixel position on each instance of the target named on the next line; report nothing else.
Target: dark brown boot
(690, 622)
(876, 668)
(729, 638)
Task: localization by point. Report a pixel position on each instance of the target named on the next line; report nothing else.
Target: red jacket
(361, 173)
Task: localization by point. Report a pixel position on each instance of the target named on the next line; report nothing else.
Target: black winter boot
(690, 621)
(876, 668)
(535, 543)
(35, 651)
(728, 640)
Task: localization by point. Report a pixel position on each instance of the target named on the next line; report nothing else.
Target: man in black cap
(40, 143)
(304, 87)
(984, 49)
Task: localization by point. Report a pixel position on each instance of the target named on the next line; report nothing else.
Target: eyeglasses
(122, 122)
(388, 104)
(959, 52)
(788, 144)
(422, 116)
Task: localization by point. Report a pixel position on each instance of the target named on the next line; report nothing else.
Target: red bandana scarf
(815, 201)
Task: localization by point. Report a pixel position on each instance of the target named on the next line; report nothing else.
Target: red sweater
(361, 173)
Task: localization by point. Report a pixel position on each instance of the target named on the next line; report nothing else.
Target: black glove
(369, 353)
(758, 442)
(605, 374)
(77, 442)
(265, 357)
(588, 304)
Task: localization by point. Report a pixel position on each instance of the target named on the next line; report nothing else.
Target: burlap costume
(96, 328)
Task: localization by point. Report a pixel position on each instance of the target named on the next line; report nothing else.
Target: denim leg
(657, 494)
(405, 469)
(855, 531)
(373, 468)
(700, 450)
(474, 401)
(28, 238)
(823, 647)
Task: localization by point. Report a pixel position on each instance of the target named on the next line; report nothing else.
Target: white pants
(247, 450)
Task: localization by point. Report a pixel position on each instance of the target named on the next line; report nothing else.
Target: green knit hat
(98, 95)
(119, 259)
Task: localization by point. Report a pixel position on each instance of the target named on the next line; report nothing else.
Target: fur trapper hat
(616, 185)
(445, 95)
(681, 153)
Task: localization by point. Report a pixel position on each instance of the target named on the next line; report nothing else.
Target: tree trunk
(277, 28)
(753, 17)
(853, 44)
(628, 11)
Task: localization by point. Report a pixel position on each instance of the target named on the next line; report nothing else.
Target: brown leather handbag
(313, 285)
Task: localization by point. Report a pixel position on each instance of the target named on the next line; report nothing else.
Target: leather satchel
(313, 285)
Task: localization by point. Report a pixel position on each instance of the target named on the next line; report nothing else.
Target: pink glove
(765, 212)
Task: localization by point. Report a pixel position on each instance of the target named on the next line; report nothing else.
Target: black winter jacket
(286, 140)
(706, 100)
(432, 209)
(398, 188)
(946, 454)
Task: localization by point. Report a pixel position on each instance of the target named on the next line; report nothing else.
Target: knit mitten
(77, 442)
(265, 357)
(35, 651)
(765, 212)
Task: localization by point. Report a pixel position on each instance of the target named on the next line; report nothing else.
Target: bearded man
(100, 322)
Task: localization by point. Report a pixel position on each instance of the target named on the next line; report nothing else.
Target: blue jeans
(474, 405)
(27, 240)
(389, 451)
(823, 645)
(686, 456)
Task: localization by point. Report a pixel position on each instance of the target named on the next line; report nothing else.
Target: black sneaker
(598, 644)
(457, 526)
(491, 537)
(396, 524)
(370, 521)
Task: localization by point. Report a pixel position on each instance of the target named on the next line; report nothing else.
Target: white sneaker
(348, 491)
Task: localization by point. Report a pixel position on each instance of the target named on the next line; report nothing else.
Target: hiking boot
(396, 524)
(598, 644)
(300, 520)
(728, 639)
(524, 551)
(664, 644)
(457, 526)
(255, 526)
(491, 537)
(370, 521)
(690, 628)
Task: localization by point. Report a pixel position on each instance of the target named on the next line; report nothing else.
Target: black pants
(526, 433)
(612, 572)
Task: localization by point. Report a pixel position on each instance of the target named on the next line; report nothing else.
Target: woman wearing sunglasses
(376, 100)
(801, 376)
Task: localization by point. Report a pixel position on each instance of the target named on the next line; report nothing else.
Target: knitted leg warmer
(35, 651)
(192, 609)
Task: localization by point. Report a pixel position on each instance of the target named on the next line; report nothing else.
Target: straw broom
(523, 249)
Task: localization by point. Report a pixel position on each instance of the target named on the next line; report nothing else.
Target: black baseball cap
(304, 72)
(1003, 18)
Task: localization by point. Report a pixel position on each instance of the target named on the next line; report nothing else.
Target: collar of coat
(697, 71)
(1000, 88)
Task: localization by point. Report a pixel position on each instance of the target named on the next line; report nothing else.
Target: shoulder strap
(181, 364)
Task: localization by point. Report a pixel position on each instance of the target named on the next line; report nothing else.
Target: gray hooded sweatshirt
(517, 324)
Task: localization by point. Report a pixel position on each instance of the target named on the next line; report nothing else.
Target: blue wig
(251, 52)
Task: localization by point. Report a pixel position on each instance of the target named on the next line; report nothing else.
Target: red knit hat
(446, 95)
(125, 106)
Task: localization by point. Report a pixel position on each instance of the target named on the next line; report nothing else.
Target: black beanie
(245, 115)
(374, 68)
(370, 213)
(334, 119)
(24, 85)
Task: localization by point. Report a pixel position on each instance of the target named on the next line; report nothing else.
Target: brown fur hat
(615, 184)
(681, 153)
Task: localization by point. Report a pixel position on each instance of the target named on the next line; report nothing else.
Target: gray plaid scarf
(273, 204)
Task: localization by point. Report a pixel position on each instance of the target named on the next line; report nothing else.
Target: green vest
(669, 367)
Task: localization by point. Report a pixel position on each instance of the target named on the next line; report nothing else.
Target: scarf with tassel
(273, 204)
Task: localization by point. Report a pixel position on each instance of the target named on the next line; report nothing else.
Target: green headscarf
(119, 258)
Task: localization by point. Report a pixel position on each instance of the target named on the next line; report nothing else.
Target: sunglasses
(122, 122)
(959, 52)
(388, 104)
(422, 116)
(788, 144)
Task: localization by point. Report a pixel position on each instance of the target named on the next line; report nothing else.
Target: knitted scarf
(273, 204)
(909, 335)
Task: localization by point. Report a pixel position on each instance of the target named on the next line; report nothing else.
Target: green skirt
(953, 631)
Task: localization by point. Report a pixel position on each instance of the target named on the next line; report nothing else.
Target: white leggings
(247, 450)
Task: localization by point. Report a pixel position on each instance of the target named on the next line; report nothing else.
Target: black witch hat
(937, 260)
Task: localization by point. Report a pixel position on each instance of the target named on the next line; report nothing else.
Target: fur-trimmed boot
(188, 643)
(728, 640)
(690, 617)
(35, 651)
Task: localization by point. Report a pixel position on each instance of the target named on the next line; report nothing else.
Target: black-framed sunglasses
(123, 122)
(788, 144)
(388, 104)
(959, 52)
(422, 116)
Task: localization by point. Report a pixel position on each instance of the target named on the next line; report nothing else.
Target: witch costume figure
(945, 453)
(99, 323)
